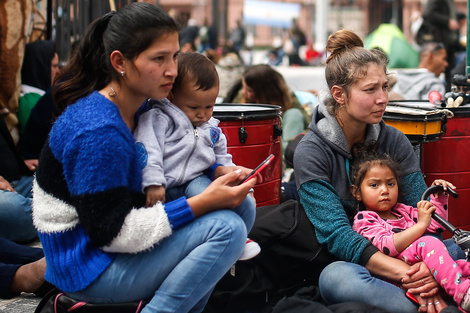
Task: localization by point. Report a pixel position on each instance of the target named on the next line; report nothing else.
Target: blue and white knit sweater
(87, 203)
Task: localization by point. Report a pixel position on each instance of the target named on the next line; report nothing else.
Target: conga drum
(449, 159)
(253, 133)
(419, 125)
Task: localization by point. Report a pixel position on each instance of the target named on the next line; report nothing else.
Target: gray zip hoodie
(173, 151)
(417, 84)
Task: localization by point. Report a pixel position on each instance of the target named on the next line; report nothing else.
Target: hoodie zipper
(196, 137)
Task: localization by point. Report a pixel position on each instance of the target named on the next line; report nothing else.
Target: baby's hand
(154, 194)
(444, 184)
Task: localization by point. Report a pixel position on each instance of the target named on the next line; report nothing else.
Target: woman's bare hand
(221, 194)
(5, 185)
(431, 304)
(419, 280)
(32, 164)
(222, 170)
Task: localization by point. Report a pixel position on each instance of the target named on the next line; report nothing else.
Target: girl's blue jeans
(179, 273)
(16, 222)
(343, 282)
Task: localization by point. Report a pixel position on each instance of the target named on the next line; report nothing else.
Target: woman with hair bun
(101, 243)
(358, 84)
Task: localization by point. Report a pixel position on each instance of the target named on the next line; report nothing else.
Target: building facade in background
(266, 21)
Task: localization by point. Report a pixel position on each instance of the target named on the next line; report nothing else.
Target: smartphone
(411, 297)
(258, 169)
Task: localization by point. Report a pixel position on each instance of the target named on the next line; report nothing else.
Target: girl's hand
(425, 209)
(444, 184)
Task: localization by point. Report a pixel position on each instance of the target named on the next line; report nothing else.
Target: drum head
(237, 111)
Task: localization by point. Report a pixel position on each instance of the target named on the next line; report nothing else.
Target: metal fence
(68, 19)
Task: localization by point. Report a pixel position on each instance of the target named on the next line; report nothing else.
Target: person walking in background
(238, 36)
(440, 25)
(188, 35)
(296, 39)
(417, 84)
(88, 204)
(207, 37)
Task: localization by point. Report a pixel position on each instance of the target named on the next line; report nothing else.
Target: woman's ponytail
(85, 70)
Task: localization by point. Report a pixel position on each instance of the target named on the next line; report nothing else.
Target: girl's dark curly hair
(364, 157)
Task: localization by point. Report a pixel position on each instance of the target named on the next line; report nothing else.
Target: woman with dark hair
(262, 84)
(101, 243)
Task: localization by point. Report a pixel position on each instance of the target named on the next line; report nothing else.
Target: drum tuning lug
(242, 134)
(277, 131)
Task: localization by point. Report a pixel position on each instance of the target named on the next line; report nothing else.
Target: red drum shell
(262, 125)
(449, 159)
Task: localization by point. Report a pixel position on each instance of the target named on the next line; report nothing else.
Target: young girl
(397, 229)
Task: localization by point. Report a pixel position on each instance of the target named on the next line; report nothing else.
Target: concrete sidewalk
(25, 303)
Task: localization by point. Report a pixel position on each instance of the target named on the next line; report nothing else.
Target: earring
(123, 73)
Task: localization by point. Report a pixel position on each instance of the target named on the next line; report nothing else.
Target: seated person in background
(181, 140)
(38, 126)
(22, 269)
(262, 84)
(16, 179)
(40, 66)
(417, 84)
(230, 69)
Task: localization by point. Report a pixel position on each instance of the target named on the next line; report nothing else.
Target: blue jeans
(247, 209)
(179, 273)
(16, 223)
(343, 281)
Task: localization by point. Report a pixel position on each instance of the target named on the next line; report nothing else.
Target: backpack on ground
(290, 259)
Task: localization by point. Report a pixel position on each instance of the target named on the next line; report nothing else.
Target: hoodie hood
(36, 68)
(327, 127)
(417, 84)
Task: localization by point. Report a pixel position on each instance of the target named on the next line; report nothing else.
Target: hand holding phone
(258, 169)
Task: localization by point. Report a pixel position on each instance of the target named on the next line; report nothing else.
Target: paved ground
(25, 303)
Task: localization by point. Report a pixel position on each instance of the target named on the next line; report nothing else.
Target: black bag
(290, 258)
(57, 302)
(308, 300)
